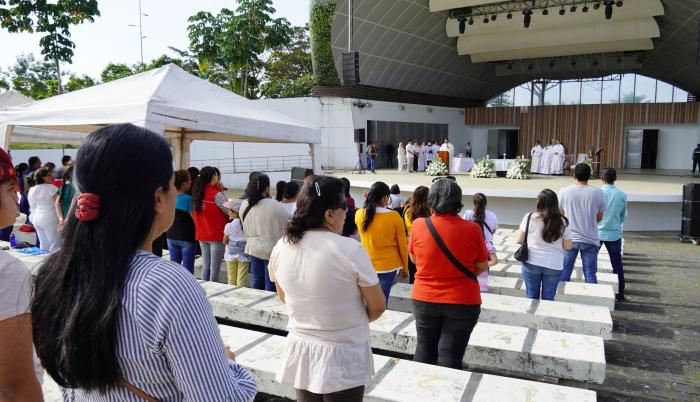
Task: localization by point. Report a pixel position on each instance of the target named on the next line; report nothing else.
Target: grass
(37, 145)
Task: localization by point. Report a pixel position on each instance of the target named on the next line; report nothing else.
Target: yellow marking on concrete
(427, 380)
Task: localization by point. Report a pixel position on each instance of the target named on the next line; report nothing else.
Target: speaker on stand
(690, 220)
(359, 140)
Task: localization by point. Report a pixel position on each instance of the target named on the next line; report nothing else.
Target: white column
(315, 150)
(185, 158)
(177, 152)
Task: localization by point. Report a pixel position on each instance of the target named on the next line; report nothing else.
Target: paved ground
(655, 351)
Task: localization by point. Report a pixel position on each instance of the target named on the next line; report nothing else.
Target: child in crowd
(236, 261)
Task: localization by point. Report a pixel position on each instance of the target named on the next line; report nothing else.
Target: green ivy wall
(321, 22)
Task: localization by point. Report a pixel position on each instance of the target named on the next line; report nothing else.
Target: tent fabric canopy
(167, 100)
(13, 98)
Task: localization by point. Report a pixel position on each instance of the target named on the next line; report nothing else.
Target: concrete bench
(515, 270)
(396, 380)
(571, 292)
(492, 347)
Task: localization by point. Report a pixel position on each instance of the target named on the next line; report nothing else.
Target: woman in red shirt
(446, 298)
(210, 217)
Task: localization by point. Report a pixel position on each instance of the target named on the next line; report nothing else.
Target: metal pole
(349, 25)
(140, 31)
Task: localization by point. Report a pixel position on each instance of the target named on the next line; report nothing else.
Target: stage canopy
(416, 46)
(167, 100)
(13, 98)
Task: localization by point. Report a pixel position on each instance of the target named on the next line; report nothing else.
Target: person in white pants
(410, 154)
(401, 155)
(42, 198)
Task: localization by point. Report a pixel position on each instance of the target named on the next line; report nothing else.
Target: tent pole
(177, 152)
(6, 132)
(185, 158)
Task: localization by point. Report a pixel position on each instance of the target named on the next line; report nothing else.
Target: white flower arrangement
(519, 170)
(436, 168)
(589, 162)
(483, 168)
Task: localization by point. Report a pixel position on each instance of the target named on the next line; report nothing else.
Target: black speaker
(690, 223)
(359, 135)
(351, 68)
(299, 173)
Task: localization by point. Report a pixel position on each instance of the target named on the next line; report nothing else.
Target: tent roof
(13, 98)
(167, 99)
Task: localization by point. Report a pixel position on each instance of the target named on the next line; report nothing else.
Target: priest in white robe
(421, 157)
(558, 158)
(428, 149)
(436, 149)
(546, 161)
(535, 158)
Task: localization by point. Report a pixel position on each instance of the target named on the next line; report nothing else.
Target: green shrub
(320, 24)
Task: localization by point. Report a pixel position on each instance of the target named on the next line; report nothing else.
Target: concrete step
(492, 347)
(512, 270)
(571, 292)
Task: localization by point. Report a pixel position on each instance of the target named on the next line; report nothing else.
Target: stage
(655, 197)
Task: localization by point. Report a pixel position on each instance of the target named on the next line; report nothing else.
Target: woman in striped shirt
(111, 321)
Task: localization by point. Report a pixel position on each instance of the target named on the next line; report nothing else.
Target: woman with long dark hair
(488, 222)
(279, 190)
(264, 220)
(548, 239)
(65, 196)
(332, 293)
(111, 321)
(210, 218)
(417, 207)
(42, 200)
(348, 197)
(20, 371)
(383, 234)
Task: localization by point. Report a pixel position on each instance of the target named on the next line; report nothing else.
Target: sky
(111, 39)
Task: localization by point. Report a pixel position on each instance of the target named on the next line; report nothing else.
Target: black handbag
(447, 252)
(521, 254)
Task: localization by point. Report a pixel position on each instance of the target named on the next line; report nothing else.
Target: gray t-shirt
(581, 204)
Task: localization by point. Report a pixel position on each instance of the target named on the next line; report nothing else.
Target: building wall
(676, 144)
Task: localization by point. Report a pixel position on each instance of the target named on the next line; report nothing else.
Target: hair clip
(318, 189)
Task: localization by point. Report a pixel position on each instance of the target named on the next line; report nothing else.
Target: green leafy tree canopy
(288, 69)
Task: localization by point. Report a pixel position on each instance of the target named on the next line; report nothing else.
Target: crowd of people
(331, 262)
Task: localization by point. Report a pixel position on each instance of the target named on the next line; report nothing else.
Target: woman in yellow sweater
(383, 235)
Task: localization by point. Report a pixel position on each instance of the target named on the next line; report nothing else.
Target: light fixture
(486, 20)
(608, 8)
(545, 12)
(595, 63)
(530, 67)
(493, 17)
(584, 8)
(573, 8)
(510, 66)
(429, 109)
(573, 63)
(528, 17)
(562, 11)
(619, 60)
(402, 107)
(462, 25)
(509, 16)
(596, 5)
(552, 64)
(471, 21)
(619, 3)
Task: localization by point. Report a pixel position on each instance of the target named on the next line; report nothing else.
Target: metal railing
(277, 163)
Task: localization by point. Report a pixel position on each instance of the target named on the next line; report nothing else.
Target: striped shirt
(168, 342)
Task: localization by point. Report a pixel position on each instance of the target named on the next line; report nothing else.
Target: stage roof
(413, 45)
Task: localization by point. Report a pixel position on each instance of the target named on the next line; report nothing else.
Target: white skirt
(323, 367)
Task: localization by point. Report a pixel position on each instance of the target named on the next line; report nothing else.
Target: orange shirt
(437, 279)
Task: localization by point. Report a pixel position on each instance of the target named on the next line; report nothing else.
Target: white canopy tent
(168, 101)
(13, 98)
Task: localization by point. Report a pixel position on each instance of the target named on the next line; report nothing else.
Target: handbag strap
(447, 252)
(527, 228)
(136, 391)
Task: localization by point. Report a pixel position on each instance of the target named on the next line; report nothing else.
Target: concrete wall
(676, 144)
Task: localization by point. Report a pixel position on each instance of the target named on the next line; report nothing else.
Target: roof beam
(564, 50)
(443, 5)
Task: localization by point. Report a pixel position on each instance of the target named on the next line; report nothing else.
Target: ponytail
(377, 192)
(479, 209)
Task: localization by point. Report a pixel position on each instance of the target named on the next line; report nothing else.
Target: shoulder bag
(137, 391)
(521, 254)
(469, 274)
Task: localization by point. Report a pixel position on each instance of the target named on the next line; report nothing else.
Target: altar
(461, 164)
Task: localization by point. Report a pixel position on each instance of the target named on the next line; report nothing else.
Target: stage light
(493, 17)
(573, 8)
(596, 6)
(584, 9)
(562, 11)
(619, 3)
(486, 20)
(510, 66)
(528, 17)
(509, 16)
(608, 8)
(462, 25)
(573, 63)
(545, 12)
(471, 21)
(530, 67)
(552, 64)
(619, 60)
(595, 63)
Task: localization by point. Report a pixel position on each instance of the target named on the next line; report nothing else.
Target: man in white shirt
(535, 157)
(558, 158)
(410, 149)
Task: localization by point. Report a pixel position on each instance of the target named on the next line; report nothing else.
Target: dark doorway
(507, 143)
(650, 148)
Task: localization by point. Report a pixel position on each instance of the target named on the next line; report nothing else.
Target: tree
(4, 83)
(229, 45)
(53, 18)
(538, 89)
(115, 71)
(33, 78)
(79, 82)
(630, 97)
(288, 69)
(502, 100)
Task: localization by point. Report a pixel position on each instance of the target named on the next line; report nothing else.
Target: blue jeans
(182, 252)
(261, 276)
(386, 281)
(615, 253)
(589, 256)
(212, 256)
(540, 281)
(371, 164)
(6, 232)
